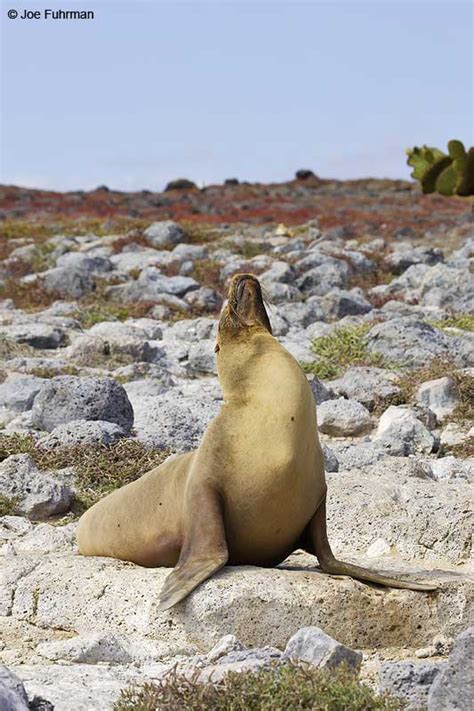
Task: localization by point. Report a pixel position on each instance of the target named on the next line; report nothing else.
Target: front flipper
(204, 549)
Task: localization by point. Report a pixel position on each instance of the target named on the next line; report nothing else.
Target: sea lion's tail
(319, 546)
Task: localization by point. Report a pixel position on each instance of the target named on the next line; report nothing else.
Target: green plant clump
(340, 349)
(279, 688)
(465, 322)
(447, 174)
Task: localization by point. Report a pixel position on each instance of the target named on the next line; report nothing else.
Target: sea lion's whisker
(267, 299)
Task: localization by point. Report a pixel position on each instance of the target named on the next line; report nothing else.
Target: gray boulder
(154, 287)
(343, 418)
(82, 432)
(281, 272)
(148, 387)
(140, 257)
(68, 397)
(331, 463)
(298, 346)
(204, 299)
(368, 385)
(173, 420)
(404, 287)
(244, 660)
(67, 281)
(453, 688)
(356, 455)
(439, 396)
(409, 341)
(450, 468)
(175, 285)
(36, 494)
(193, 330)
(329, 274)
(339, 303)
(301, 314)
(18, 392)
(448, 288)
(410, 681)
(99, 647)
(202, 358)
(141, 329)
(311, 644)
(280, 326)
(406, 255)
(279, 292)
(184, 251)
(12, 692)
(93, 264)
(320, 391)
(165, 233)
(36, 335)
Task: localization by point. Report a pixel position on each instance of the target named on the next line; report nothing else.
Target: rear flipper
(204, 549)
(318, 544)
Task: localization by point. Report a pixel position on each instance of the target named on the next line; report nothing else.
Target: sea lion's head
(244, 328)
(245, 309)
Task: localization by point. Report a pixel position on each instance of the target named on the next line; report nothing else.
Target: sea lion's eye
(217, 348)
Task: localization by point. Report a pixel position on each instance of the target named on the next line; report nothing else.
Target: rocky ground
(107, 331)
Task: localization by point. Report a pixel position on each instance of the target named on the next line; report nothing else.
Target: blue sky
(151, 91)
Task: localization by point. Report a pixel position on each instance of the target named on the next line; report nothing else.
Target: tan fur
(255, 488)
(260, 446)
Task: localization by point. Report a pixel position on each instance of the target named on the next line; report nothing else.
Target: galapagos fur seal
(253, 491)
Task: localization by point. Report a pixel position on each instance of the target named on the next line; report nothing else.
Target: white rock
(343, 418)
(454, 434)
(100, 647)
(82, 432)
(449, 468)
(165, 233)
(401, 433)
(311, 644)
(12, 692)
(36, 494)
(439, 395)
(367, 385)
(378, 548)
(45, 538)
(18, 392)
(228, 643)
(202, 358)
(82, 687)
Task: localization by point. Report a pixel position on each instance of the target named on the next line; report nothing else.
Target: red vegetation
(361, 206)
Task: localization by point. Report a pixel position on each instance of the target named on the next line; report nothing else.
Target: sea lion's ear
(217, 348)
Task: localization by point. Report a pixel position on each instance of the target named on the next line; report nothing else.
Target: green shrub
(280, 688)
(340, 349)
(465, 322)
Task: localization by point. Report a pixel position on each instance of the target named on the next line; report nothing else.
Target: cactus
(447, 174)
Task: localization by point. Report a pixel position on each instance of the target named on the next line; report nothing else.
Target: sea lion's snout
(245, 303)
(245, 285)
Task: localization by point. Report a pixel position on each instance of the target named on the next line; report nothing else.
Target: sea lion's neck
(247, 366)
